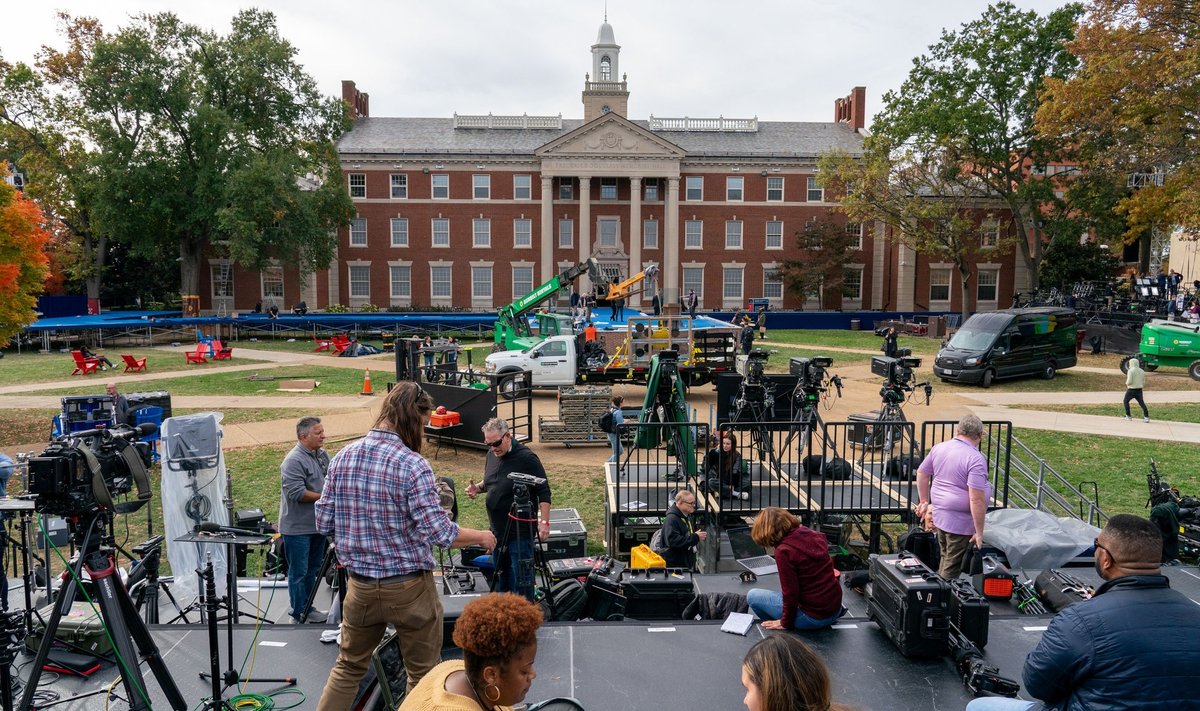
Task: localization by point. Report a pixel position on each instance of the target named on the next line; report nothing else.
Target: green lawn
(48, 367)
(1183, 412)
(333, 381)
(864, 340)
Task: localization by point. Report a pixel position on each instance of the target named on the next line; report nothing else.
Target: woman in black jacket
(677, 535)
(723, 467)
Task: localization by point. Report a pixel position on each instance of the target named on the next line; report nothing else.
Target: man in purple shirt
(956, 502)
(381, 507)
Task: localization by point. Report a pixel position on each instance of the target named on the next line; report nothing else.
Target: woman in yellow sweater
(498, 636)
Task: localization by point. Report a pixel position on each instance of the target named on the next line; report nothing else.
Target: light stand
(12, 634)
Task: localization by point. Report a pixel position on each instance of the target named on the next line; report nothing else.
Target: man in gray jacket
(302, 477)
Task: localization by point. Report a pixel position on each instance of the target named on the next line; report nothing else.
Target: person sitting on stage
(723, 465)
(273, 312)
(782, 673)
(498, 637)
(300, 309)
(87, 353)
(1131, 646)
(677, 533)
(811, 598)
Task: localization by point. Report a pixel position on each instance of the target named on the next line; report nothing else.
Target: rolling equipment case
(909, 601)
(606, 598)
(657, 593)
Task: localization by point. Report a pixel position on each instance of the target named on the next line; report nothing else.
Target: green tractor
(1170, 343)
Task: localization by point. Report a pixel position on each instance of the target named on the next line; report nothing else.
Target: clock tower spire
(603, 91)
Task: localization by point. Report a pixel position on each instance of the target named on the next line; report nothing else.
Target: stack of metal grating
(579, 411)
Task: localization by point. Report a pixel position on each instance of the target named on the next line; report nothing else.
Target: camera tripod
(131, 639)
(757, 406)
(329, 562)
(530, 556)
(145, 584)
(806, 415)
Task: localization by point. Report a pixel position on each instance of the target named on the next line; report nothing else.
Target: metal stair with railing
(1034, 484)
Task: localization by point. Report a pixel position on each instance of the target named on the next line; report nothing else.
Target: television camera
(756, 365)
(898, 376)
(977, 675)
(79, 474)
(812, 378)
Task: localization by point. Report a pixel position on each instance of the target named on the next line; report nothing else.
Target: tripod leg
(327, 561)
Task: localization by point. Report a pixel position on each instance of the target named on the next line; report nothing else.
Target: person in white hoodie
(1135, 380)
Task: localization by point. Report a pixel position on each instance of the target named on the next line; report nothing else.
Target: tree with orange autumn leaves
(23, 260)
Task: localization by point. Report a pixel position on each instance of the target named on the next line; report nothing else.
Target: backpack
(606, 422)
(656, 542)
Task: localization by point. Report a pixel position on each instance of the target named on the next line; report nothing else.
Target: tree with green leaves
(971, 100)
(819, 270)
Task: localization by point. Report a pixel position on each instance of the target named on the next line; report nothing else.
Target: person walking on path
(1135, 381)
(302, 478)
(692, 301)
(762, 324)
(614, 437)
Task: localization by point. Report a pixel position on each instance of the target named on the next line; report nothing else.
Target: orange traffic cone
(367, 383)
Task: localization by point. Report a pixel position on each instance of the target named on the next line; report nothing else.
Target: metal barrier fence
(996, 448)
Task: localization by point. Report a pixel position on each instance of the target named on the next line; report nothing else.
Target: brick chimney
(358, 104)
(852, 109)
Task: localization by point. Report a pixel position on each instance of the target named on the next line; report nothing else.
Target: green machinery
(666, 402)
(1169, 343)
(512, 324)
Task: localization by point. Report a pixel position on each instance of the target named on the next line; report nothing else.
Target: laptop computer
(749, 554)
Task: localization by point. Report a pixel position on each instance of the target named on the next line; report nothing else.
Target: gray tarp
(1035, 539)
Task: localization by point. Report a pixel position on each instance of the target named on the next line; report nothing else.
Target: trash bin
(855, 324)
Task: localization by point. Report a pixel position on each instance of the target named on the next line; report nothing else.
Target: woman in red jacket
(811, 598)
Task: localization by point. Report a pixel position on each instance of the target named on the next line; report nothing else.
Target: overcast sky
(774, 59)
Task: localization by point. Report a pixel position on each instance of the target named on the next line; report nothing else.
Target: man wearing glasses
(514, 538)
(1132, 646)
(678, 535)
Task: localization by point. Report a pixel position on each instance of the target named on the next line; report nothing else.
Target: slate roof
(783, 139)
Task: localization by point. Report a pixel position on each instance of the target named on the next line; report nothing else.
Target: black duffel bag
(922, 544)
(1059, 590)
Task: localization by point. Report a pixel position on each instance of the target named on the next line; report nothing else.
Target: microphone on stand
(207, 527)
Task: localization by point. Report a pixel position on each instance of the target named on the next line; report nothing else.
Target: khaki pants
(954, 547)
(412, 606)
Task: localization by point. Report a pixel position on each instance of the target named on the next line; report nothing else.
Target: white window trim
(686, 179)
(685, 242)
(483, 301)
(392, 298)
(848, 302)
(776, 301)
(950, 286)
(351, 264)
(741, 234)
(530, 187)
(983, 230)
(782, 185)
(532, 267)
(564, 183)
(558, 233)
(474, 233)
(392, 186)
(366, 234)
(657, 233)
(350, 185)
(616, 187)
(728, 188)
(215, 264)
(683, 287)
(767, 235)
(522, 219)
(995, 267)
(433, 233)
(433, 186)
(441, 300)
(647, 185)
(808, 190)
(618, 243)
(732, 302)
(262, 284)
(392, 232)
(487, 187)
(861, 233)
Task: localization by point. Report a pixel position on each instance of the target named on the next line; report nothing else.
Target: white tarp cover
(1035, 539)
(190, 497)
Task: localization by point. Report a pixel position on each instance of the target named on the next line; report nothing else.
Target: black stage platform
(638, 665)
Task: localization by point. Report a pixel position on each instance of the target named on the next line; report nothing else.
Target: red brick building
(474, 211)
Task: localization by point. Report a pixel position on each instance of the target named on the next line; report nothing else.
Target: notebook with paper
(749, 554)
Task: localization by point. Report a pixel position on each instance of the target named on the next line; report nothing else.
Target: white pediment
(610, 136)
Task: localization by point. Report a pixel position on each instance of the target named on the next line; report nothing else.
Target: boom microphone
(122, 431)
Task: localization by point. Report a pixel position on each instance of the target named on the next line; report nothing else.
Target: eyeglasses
(497, 443)
(691, 502)
(1096, 543)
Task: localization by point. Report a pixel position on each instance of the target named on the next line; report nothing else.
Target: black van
(1008, 344)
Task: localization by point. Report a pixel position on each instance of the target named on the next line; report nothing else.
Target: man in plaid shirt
(380, 506)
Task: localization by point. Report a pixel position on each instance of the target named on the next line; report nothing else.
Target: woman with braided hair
(498, 637)
(782, 673)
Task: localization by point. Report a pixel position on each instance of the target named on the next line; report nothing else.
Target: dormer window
(605, 69)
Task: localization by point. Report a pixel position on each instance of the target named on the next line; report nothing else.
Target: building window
(440, 186)
(989, 233)
(775, 234)
(522, 187)
(650, 232)
(939, 284)
(401, 282)
(360, 282)
(651, 189)
(522, 233)
(566, 189)
(358, 185)
(221, 278)
(734, 188)
(772, 285)
(358, 232)
(988, 278)
(855, 230)
(774, 189)
(481, 233)
(399, 187)
(522, 281)
(481, 283)
(481, 187)
(605, 68)
(399, 231)
(272, 283)
(694, 188)
(566, 233)
(852, 283)
(693, 278)
(441, 232)
(731, 284)
(733, 234)
(439, 282)
(608, 228)
(815, 192)
(693, 234)
(608, 188)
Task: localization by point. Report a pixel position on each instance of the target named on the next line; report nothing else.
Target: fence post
(1041, 482)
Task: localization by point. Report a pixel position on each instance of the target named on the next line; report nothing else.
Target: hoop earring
(487, 691)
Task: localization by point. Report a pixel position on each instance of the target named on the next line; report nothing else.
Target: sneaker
(744, 495)
(316, 616)
(1145, 419)
(1127, 417)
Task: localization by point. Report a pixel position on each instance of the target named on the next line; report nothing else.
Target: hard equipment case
(908, 602)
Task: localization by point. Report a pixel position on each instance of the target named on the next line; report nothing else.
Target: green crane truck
(1169, 343)
(512, 323)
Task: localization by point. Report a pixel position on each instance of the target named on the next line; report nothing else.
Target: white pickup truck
(553, 362)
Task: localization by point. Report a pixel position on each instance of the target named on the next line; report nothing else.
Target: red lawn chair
(197, 356)
(323, 344)
(133, 365)
(221, 352)
(340, 343)
(83, 366)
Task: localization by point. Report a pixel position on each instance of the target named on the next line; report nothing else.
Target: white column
(585, 228)
(670, 267)
(878, 267)
(547, 243)
(906, 278)
(635, 234)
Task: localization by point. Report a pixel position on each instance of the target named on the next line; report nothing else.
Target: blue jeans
(614, 441)
(768, 605)
(304, 555)
(999, 703)
(509, 576)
